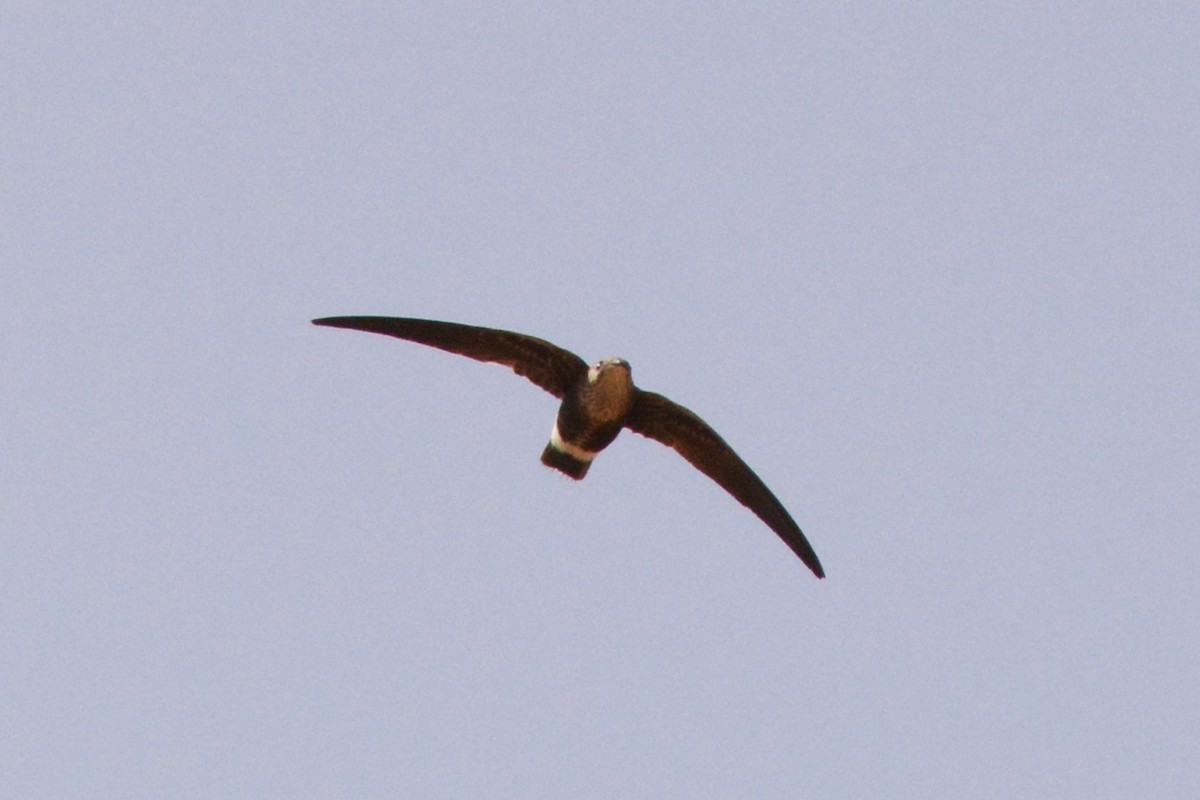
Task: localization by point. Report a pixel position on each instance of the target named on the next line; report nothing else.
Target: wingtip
(806, 555)
(335, 322)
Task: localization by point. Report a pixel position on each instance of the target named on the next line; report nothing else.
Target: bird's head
(610, 392)
(607, 369)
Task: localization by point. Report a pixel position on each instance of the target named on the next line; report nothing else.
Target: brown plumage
(596, 403)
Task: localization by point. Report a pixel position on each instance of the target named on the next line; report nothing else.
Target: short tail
(565, 463)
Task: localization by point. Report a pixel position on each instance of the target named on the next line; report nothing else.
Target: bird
(598, 402)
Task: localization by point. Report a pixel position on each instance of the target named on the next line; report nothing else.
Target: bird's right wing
(547, 365)
(660, 419)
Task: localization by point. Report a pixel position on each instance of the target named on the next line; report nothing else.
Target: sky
(931, 269)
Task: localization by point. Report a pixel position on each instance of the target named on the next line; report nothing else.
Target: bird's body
(597, 402)
(590, 417)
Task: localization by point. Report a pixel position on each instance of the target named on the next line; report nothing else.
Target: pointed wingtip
(338, 322)
(804, 552)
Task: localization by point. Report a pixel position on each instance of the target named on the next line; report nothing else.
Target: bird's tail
(565, 463)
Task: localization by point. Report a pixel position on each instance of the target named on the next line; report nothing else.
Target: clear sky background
(933, 271)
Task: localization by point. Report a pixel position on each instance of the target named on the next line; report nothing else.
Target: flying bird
(597, 402)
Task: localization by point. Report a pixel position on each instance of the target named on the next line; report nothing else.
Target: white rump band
(557, 442)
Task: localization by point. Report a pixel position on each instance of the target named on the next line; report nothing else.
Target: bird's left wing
(660, 419)
(547, 365)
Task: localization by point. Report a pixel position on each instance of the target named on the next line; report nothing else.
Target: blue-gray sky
(932, 270)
